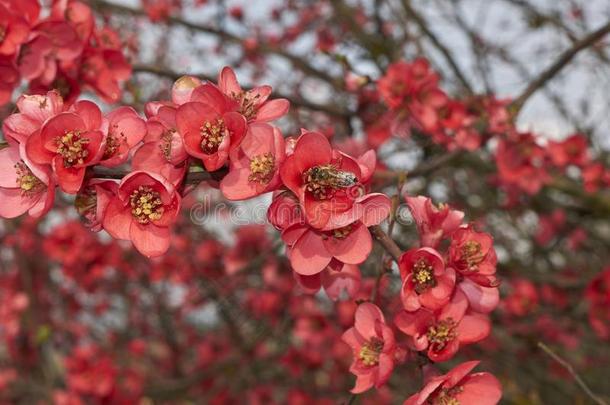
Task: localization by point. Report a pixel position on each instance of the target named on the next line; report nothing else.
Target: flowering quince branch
(321, 205)
(581, 383)
(388, 243)
(562, 61)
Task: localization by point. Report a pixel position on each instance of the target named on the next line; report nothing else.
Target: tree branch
(296, 61)
(386, 242)
(597, 399)
(192, 177)
(297, 102)
(423, 26)
(557, 66)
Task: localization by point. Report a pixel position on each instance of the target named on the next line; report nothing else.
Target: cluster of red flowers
(598, 295)
(445, 301)
(416, 103)
(322, 205)
(63, 51)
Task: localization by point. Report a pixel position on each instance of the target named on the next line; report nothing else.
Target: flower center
(342, 233)
(471, 253)
(86, 202)
(2, 33)
(112, 145)
(441, 333)
(322, 181)
(146, 205)
(247, 104)
(26, 180)
(166, 144)
(212, 134)
(447, 396)
(71, 146)
(423, 276)
(369, 352)
(261, 168)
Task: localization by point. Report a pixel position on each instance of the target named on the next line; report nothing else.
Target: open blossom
(125, 130)
(34, 110)
(14, 30)
(93, 199)
(426, 281)
(70, 142)
(145, 207)
(255, 164)
(90, 372)
(325, 180)
(252, 104)
(53, 43)
(459, 387)
(472, 254)
(344, 278)
(403, 81)
(311, 250)
(9, 78)
(373, 345)
(442, 332)
(24, 185)
(209, 130)
(433, 223)
(163, 150)
(522, 162)
(104, 70)
(570, 151)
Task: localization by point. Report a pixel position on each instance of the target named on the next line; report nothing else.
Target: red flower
(472, 254)
(53, 43)
(523, 298)
(69, 142)
(209, 130)
(372, 342)
(345, 278)
(9, 79)
(163, 150)
(34, 110)
(183, 88)
(459, 387)
(310, 250)
(255, 164)
(24, 186)
(14, 30)
(521, 162)
(570, 151)
(77, 14)
(426, 282)
(90, 372)
(104, 70)
(442, 332)
(325, 180)
(125, 130)
(93, 199)
(145, 207)
(433, 223)
(253, 103)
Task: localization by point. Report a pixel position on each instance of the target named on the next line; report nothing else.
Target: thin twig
(296, 61)
(191, 177)
(574, 374)
(423, 26)
(294, 101)
(557, 66)
(386, 242)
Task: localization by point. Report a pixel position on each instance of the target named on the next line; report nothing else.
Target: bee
(329, 176)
